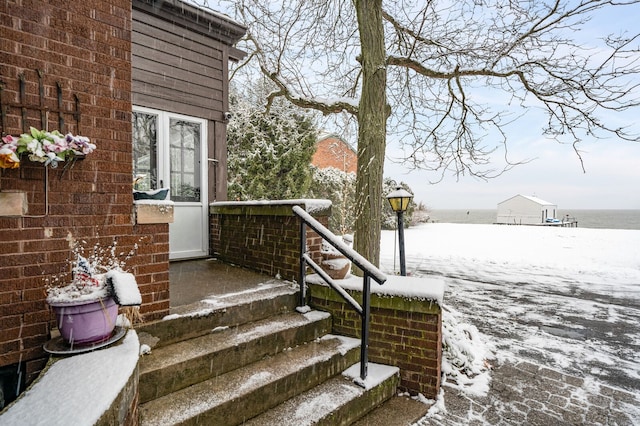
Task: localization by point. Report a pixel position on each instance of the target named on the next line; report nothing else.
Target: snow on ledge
(312, 315)
(376, 374)
(155, 202)
(346, 343)
(427, 288)
(310, 205)
(77, 389)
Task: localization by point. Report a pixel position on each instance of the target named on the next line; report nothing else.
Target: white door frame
(189, 233)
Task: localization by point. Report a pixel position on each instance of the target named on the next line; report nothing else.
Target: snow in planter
(95, 276)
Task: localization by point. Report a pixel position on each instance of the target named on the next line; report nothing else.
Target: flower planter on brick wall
(82, 93)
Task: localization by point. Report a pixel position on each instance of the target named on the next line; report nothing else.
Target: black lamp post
(399, 201)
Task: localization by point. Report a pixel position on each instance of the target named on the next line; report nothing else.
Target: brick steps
(198, 319)
(338, 401)
(171, 368)
(235, 397)
(251, 355)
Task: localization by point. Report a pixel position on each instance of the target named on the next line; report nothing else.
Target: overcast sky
(554, 172)
(611, 181)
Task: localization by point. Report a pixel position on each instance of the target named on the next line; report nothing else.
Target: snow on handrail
(368, 269)
(336, 242)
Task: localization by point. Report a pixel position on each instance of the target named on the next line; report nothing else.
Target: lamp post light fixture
(399, 201)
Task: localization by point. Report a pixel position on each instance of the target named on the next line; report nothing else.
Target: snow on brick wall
(406, 335)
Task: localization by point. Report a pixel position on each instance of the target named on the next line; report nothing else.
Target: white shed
(525, 210)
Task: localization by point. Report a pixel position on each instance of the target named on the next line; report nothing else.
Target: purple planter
(88, 322)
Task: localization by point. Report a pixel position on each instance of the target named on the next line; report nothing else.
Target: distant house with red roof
(333, 151)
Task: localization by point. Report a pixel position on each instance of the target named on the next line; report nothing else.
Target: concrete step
(400, 410)
(338, 401)
(186, 322)
(171, 368)
(233, 398)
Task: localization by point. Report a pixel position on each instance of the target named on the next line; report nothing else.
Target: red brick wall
(334, 152)
(85, 48)
(405, 333)
(265, 238)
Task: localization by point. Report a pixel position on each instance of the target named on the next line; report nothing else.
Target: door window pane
(145, 150)
(184, 148)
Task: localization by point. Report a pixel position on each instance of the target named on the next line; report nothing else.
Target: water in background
(608, 219)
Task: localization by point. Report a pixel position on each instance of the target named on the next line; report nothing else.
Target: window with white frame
(167, 151)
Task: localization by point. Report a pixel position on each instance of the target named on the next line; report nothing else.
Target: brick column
(405, 332)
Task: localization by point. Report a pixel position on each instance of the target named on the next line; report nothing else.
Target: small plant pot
(335, 265)
(87, 322)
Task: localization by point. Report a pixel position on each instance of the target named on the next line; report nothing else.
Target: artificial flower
(41, 146)
(8, 159)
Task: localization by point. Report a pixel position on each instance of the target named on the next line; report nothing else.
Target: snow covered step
(174, 367)
(233, 398)
(197, 319)
(338, 401)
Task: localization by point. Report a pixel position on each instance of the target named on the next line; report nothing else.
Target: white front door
(171, 150)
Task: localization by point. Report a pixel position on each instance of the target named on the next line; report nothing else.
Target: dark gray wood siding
(177, 70)
(182, 71)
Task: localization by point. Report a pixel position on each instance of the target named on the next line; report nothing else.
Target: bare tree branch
(457, 73)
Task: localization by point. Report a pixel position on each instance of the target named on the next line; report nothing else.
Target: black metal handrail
(368, 269)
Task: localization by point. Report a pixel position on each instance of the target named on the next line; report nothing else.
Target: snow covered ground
(567, 298)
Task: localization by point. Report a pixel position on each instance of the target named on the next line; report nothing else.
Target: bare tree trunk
(372, 121)
(435, 65)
